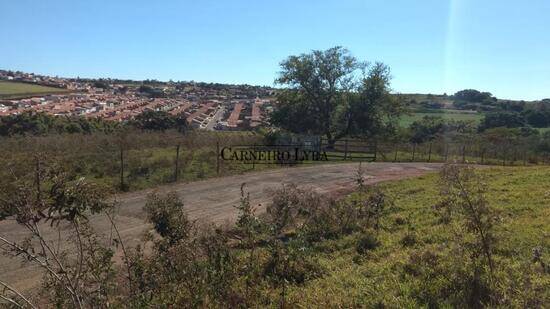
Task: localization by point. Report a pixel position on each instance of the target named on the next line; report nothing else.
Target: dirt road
(214, 200)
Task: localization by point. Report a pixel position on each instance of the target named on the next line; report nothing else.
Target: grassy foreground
(389, 274)
(466, 238)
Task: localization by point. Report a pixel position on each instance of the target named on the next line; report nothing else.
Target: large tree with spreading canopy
(331, 93)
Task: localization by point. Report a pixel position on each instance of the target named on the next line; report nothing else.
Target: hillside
(409, 267)
(16, 90)
(447, 114)
(471, 105)
(391, 245)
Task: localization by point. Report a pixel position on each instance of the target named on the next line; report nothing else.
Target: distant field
(13, 90)
(445, 100)
(407, 120)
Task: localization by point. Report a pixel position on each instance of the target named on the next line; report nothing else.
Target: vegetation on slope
(145, 158)
(415, 265)
(466, 116)
(471, 104)
(31, 123)
(458, 240)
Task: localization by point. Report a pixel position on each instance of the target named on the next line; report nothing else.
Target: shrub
(290, 262)
(366, 243)
(168, 217)
(399, 220)
(188, 265)
(467, 212)
(408, 240)
(78, 270)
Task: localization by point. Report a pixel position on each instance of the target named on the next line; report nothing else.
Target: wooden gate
(349, 149)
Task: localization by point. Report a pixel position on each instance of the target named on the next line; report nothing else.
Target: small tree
(188, 266)
(168, 217)
(472, 220)
(78, 271)
(248, 228)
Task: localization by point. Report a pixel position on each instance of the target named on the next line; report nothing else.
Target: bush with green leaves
(78, 269)
(189, 266)
(367, 242)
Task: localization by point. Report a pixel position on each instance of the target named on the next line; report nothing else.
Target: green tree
(472, 95)
(501, 119)
(33, 123)
(316, 85)
(325, 94)
(426, 129)
(159, 121)
(372, 109)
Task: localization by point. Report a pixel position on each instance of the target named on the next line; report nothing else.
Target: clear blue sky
(432, 46)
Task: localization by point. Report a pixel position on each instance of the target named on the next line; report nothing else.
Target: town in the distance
(204, 105)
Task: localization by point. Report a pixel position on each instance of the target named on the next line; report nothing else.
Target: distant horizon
(259, 85)
(132, 79)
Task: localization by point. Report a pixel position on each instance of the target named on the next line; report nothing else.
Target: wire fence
(141, 160)
(126, 162)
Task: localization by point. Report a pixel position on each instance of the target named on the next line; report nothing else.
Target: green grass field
(407, 120)
(386, 277)
(14, 90)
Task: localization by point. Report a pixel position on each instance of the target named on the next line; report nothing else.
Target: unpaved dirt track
(214, 200)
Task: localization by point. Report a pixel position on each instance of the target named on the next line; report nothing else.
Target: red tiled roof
(256, 115)
(199, 112)
(233, 119)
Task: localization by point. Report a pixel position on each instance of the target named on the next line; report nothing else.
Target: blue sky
(431, 46)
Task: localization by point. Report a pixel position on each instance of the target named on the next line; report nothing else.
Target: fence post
(376, 150)
(345, 149)
(446, 152)
(37, 176)
(122, 169)
(414, 150)
(463, 153)
(396, 148)
(482, 155)
(217, 157)
(430, 153)
(176, 172)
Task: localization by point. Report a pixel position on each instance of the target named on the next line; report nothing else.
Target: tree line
(33, 123)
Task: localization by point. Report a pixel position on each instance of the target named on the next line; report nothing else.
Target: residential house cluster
(213, 106)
